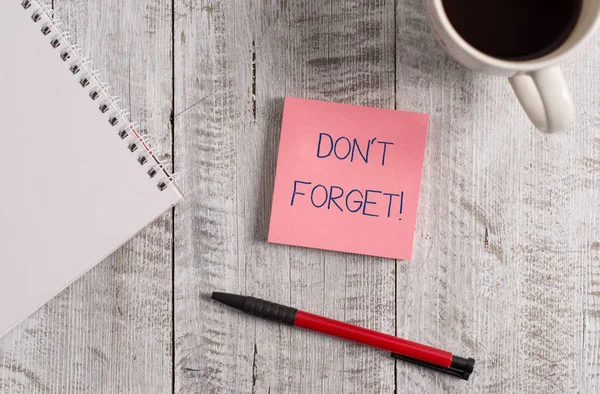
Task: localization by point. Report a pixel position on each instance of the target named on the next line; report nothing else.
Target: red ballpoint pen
(425, 356)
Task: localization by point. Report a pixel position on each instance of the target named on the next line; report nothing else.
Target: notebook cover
(71, 191)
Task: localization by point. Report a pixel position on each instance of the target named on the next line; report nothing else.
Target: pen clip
(460, 367)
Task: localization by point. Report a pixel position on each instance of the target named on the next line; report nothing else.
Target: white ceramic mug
(538, 83)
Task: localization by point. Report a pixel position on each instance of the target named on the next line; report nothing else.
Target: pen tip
(233, 300)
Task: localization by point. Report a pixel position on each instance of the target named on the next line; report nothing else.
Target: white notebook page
(70, 191)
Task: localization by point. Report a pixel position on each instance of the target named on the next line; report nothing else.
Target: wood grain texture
(506, 253)
(110, 331)
(507, 247)
(235, 62)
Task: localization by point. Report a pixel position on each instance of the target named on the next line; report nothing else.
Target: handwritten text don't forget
(367, 202)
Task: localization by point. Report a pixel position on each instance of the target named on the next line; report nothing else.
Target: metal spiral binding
(98, 91)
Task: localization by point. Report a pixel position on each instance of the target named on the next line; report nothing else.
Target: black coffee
(514, 29)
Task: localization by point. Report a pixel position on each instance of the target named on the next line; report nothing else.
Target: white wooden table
(507, 251)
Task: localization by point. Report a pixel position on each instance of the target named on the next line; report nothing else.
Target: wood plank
(508, 218)
(584, 209)
(213, 350)
(227, 139)
(111, 330)
(343, 52)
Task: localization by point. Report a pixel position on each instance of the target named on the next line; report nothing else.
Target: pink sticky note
(348, 178)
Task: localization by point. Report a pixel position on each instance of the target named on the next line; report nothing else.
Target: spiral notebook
(78, 180)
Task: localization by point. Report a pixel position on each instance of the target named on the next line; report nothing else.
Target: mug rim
(514, 65)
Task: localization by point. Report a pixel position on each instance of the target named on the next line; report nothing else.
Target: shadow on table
(271, 130)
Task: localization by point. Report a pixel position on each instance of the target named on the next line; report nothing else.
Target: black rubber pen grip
(270, 311)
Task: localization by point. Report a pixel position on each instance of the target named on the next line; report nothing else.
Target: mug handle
(545, 97)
